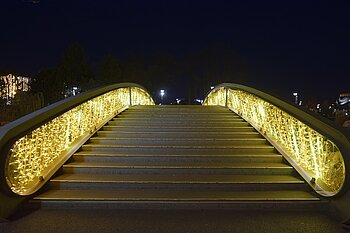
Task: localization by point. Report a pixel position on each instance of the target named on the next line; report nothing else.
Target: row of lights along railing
(315, 148)
(34, 155)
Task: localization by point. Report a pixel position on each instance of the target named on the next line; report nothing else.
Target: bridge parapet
(319, 151)
(34, 147)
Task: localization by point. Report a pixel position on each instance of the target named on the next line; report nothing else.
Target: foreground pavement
(187, 221)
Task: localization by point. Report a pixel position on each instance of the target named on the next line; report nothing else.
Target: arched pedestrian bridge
(113, 147)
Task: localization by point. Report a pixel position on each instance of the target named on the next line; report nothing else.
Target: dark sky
(288, 46)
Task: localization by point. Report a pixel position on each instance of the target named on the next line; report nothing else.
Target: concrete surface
(186, 221)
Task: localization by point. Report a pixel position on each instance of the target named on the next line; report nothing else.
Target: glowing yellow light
(313, 152)
(32, 156)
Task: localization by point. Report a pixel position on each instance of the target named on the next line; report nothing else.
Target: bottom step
(181, 195)
(160, 199)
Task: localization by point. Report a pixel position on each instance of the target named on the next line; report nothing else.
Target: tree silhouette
(189, 76)
(211, 66)
(134, 70)
(109, 71)
(73, 70)
(47, 83)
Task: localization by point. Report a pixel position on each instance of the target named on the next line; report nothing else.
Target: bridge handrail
(317, 148)
(35, 146)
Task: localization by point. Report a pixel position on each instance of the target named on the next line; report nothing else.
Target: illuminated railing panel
(34, 156)
(139, 97)
(318, 156)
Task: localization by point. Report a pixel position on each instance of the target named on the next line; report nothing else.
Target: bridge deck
(178, 156)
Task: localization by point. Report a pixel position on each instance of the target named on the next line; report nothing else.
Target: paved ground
(184, 221)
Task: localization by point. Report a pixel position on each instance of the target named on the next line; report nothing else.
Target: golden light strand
(315, 153)
(33, 155)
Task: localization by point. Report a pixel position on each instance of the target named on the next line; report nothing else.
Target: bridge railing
(318, 151)
(34, 147)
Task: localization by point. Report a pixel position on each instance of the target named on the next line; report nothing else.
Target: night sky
(288, 46)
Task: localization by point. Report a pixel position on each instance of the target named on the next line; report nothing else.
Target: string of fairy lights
(33, 155)
(314, 153)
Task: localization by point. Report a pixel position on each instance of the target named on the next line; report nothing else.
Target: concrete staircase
(178, 156)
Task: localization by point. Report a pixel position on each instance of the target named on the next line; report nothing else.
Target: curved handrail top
(29, 122)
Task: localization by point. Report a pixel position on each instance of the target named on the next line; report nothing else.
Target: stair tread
(168, 153)
(170, 113)
(178, 178)
(169, 129)
(173, 195)
(179, 120)
(195, 165)
(177, 123)
(213, 133)
(180, 127)
(175, 108)
(180, 146)
(178, 139)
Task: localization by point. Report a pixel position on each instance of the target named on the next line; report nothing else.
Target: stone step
(186, 115)
(178, 110)
(203, 116)
(180, 120)
(173, 196)
(194, 135)
(179, 124)
(177, 182)
(91, 156)
(178, 168)
(169, 107)
(183, 129)
(178, 142)
(180, 149)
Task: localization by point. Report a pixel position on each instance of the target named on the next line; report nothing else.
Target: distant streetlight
(296, 97)
(162, 92)
(74, 90)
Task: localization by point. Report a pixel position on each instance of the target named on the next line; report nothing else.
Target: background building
(11, 84)
(16, 100)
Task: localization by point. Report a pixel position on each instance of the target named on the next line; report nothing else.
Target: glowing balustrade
(34, 157)
(314, 154)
